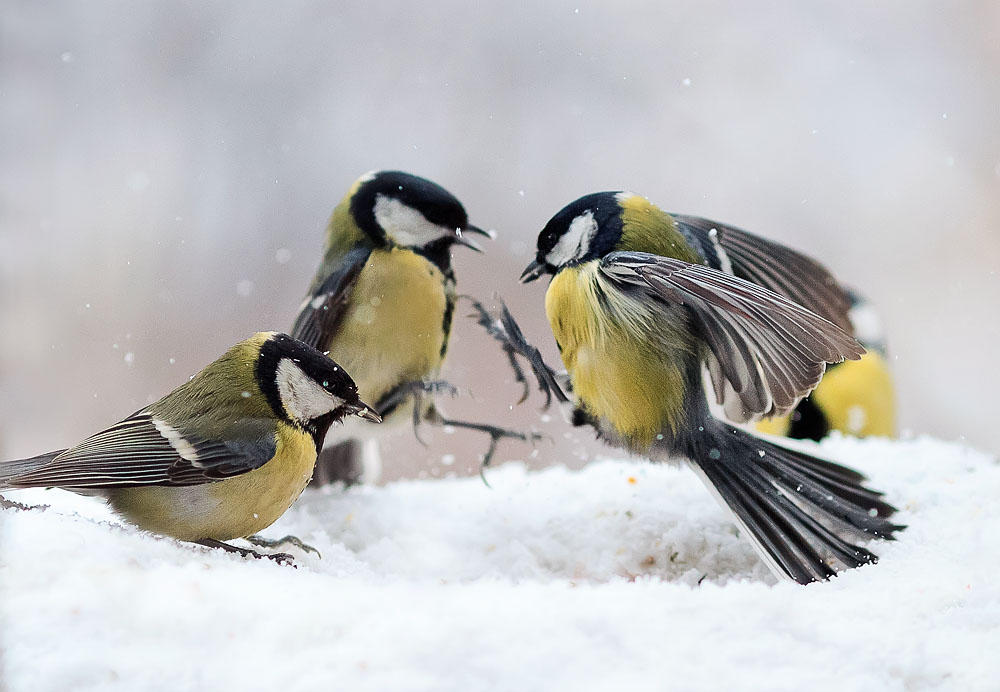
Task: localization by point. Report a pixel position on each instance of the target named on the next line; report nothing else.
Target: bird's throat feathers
(608, 343)
(583, 310)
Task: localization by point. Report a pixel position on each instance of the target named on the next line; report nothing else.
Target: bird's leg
(280, 558)
(496, 433)
(398, 394)
(506, 330)
(493, 328)
(417, 389)
(262, 542)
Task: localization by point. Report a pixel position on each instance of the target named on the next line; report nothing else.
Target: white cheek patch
(575, 242)
(405, 225)
(302, 397)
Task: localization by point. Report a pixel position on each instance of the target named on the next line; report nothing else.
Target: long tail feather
(804, 514)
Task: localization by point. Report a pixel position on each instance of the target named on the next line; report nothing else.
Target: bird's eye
(326, 383)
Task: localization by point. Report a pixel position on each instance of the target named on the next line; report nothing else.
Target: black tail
(10, 470)
(802, 513)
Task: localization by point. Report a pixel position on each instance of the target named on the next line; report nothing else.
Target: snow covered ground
(621, 576)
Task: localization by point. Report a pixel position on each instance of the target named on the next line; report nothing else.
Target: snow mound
(624, 575)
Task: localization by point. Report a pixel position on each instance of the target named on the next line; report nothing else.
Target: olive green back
(342, 234)
(647, 228)
(223, 393)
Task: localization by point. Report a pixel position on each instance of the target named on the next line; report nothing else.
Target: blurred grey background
(167, 170)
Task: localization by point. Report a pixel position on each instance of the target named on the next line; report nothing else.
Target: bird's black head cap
(583, 230)
(305, 387)
(397, 208)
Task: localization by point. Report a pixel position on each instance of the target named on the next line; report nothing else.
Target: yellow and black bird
(222, 456)
(856, 397)
(641, 301)
(382, 303)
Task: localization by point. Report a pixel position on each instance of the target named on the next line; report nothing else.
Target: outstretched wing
(791, 274)
(144, 450)
(321, 311)
(768, 349)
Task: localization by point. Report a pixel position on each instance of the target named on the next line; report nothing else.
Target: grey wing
(791, 274)
(321, 311)
(143, 450)
(769, 350)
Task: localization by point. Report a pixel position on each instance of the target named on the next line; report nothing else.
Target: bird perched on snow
(641, 301)
(855, 397)
(382, 303)
(222, 456)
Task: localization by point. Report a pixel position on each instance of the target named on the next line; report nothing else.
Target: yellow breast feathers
(392, 330)
(226, 509)
(615, 355)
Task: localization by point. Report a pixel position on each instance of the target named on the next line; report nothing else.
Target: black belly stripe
(449, 314)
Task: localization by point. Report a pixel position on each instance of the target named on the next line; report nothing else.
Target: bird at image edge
(641, 300)
(856, 397)
(222, 456)
(382, 303)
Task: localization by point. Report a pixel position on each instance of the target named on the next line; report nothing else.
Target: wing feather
(321, 311)
(776, 267)
(765, 347)
(143, 450)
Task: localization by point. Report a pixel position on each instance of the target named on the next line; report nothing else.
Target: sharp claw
(488, 457)
(281, 559)
(262, 542)
(417, 400)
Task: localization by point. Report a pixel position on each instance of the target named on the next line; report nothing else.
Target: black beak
(468, 242)
(476, 229)
(532, 272)
(363, 410)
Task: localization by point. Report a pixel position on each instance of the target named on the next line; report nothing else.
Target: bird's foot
(416, 389)
(496, 434)
(262, 542)
(280, 558)
(513, 342)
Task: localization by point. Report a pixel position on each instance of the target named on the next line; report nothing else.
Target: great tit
(856, 397)
(222, 456)
(382, 303)
(642, 300)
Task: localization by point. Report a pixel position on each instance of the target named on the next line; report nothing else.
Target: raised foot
(262, 542)
(513, 342)
(280, 558)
